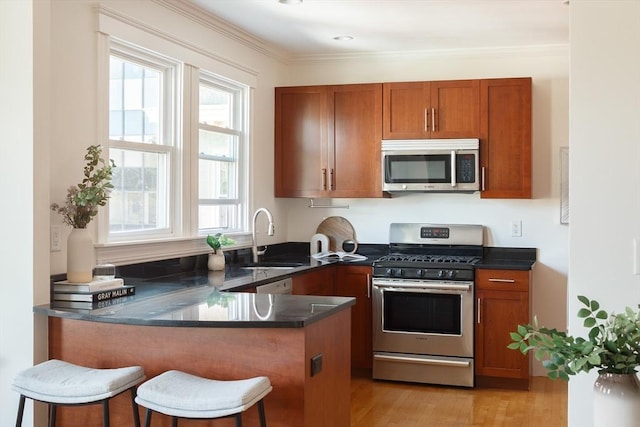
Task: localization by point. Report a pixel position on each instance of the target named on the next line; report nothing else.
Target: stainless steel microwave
(445, 165)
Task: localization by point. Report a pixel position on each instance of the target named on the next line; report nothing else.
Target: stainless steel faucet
(270, 231)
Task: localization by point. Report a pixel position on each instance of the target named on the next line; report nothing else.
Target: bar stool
(182, 395)
(59, 383)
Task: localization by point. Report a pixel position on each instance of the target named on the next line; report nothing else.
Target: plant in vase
(216, 242)
(612, 347)
(80, 207)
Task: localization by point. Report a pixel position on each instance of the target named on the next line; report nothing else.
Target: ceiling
(393, 26)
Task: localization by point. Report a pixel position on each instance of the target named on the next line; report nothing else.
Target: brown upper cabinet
(327, 141)
(505, 138)
(439, 109)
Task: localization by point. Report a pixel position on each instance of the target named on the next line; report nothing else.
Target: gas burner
(428, 258)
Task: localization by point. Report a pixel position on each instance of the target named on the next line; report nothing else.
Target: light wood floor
(389, 404)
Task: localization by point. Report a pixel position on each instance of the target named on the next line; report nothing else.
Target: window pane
(223, 217)
(218, 168)
(216, 107)
(134, 102)
(137, 200)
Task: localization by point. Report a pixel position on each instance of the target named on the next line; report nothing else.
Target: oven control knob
(420, 273)
(389, 272)
(441, 273)
(400, 272)
(451, 274)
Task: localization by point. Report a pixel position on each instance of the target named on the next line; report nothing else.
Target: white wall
(604, 172)
(540, 216)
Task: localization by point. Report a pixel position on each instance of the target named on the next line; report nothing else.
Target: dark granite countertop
(507, 258)
(181, 292)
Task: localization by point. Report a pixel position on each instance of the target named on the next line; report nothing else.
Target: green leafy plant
(612, 345)
(218, 298)
(219, 240)
(83, 200)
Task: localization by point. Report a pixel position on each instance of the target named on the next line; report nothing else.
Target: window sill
(123, 253)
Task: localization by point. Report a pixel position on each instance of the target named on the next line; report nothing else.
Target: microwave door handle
(453, 168)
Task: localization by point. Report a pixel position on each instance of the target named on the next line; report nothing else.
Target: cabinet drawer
(503, 280)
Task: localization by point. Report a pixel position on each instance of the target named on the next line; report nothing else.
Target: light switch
(55, 238)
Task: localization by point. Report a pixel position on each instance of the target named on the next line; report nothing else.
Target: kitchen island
(220, 335)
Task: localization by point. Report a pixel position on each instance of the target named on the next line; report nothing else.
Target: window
(166, 119)
(220, 142)
(141, 143)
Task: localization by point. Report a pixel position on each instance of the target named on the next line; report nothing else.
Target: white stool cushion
(184, 395)
(56, 381)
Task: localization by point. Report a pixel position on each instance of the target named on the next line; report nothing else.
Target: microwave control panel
(466, 168)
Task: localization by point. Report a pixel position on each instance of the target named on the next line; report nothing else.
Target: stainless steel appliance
(423, 312)
(444, 165)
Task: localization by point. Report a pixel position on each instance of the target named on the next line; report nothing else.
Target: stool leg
(239, 419)
(174, 421)
(263, 420)
(52, 414)
(147, 418)
(105, 413)
(136, 414)
(20, 411)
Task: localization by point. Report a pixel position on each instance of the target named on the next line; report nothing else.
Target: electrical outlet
(55, 237)
(516, 228)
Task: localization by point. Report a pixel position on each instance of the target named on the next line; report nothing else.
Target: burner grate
(424, 258)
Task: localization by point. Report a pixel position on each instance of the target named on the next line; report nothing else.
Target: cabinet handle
(503, 280)
(324, 179)
(453, 168)
(426, 120)
(483, 178)
(478, 309)
(433, 119)
(368, 286)
(331, 180)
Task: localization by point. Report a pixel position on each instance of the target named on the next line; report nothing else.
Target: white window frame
(185, 238)
(240, 130)
(170, 144)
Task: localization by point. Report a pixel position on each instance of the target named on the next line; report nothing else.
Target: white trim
(126, 28)
(145, 251)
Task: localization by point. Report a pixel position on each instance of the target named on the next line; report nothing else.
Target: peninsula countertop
(199, 300)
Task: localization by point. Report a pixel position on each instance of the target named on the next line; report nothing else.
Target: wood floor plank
(391, 404)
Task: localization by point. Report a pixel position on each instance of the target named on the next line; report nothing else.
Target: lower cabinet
(355, 281)
(317, 282)
(502, 303)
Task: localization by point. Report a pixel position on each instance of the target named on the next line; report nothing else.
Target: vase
(80, 256)
(616, 400)
(216, 261)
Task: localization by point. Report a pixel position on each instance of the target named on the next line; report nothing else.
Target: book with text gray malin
(121, 291)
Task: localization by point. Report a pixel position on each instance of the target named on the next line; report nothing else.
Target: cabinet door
(353, 138)
(355, 281)
(502, 304)
(455, 109)
(300, 141)
(404, 110)
(317, 282)
(505, 133)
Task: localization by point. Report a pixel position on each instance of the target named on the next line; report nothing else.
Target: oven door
(423, 317)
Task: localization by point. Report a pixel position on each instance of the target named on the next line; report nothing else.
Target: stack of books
(92, 295)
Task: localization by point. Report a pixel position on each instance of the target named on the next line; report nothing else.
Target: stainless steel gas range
(423, 294)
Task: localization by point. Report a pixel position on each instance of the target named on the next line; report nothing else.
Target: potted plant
(80, 207)
(612, 347)
(216, 242)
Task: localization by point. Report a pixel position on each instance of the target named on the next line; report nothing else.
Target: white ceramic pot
(216, 261)
(616, 400)
(80, 256)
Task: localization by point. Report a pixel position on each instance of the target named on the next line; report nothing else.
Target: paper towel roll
(319, 243)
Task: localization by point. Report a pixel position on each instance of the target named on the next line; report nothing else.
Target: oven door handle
(394, 286)
(421, 361)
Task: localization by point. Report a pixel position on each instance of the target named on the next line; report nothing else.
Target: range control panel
(434, 232)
